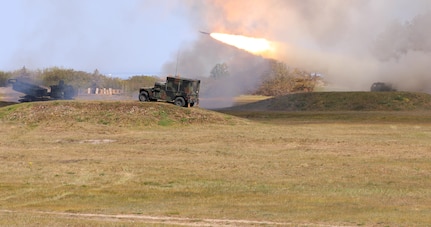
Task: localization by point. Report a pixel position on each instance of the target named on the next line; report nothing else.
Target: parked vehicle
(380, 86)
(180, 91)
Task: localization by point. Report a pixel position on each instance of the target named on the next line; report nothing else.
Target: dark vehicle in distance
(34, 92)
(180, 91)
(380, 86)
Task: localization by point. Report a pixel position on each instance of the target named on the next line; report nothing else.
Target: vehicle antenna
(176, 67)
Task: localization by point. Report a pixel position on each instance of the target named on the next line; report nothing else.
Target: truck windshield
(195, 86)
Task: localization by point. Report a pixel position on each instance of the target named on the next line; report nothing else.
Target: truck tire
(143, 97)
(179, 101)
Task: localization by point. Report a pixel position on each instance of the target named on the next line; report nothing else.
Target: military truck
(380, 86)
(178, 90)
(35, 92)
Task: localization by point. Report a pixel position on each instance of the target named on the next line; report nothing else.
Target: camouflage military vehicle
(380, 86)
(180, 91)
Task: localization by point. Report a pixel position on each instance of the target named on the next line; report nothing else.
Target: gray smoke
(197, 60)
(353, 43)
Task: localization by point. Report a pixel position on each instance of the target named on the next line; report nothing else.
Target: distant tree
(4, 77)
(277, 81)
(96, 72)
(23, 72)
(112, 82)
(280, 80)
(26, 74)
(219, 71)
(53, 75)
(135, 82)
(80, 79)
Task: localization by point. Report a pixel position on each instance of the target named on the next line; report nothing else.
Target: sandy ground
(7, 94)
(146, 219)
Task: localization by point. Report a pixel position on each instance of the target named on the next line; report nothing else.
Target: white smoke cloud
(352, 42)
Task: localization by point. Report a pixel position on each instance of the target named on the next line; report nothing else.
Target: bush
(4, 77)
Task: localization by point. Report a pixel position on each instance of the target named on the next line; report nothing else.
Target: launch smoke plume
(352, 43)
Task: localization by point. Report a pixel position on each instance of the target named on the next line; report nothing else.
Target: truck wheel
(143, 97)
(179, 101)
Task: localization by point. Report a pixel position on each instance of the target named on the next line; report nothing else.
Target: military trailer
(180, 91)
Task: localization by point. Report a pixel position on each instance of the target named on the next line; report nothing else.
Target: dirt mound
(113, 113)
(342, 101)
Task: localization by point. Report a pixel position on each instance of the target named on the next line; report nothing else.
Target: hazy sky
(352, 42)
(127, 36)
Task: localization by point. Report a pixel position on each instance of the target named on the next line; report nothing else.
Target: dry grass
(109, 113)
(342, 101)
(245, 99)
(285, 170)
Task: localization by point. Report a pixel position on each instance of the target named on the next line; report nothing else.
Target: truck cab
(180, 91)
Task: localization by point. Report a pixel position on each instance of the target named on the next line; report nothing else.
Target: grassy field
(339, 101)
(133, 164)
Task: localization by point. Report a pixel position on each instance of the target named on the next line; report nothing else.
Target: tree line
(80, 80)
(278, 80)
(283, 80)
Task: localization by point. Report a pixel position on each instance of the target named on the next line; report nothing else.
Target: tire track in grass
(169, 220)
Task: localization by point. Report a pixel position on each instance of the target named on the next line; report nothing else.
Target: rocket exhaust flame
(257, 46)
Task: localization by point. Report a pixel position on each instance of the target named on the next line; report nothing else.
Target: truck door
(171, 89)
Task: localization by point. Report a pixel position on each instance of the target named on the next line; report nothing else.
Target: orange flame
(253, 45)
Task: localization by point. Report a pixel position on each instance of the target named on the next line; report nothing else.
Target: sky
(353, 43)
(115, 37)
